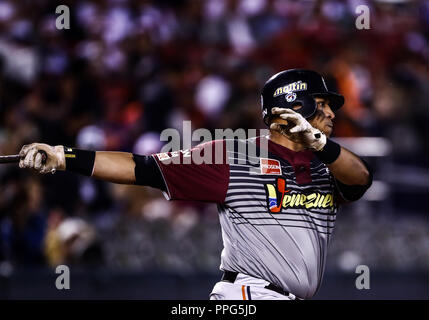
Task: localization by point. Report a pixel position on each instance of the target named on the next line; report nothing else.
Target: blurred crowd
(128, 69)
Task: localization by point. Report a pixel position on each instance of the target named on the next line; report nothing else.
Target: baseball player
(277, 212)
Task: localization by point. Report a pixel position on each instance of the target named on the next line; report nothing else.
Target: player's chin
(327, 130)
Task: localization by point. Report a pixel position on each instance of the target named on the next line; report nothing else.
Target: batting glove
(42, 157)
(299, 129)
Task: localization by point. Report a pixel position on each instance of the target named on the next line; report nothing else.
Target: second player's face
(323, 119)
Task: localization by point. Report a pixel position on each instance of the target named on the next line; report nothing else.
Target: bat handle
(10, 159)
(16, 157)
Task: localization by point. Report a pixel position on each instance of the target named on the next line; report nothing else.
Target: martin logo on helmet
(292, 87)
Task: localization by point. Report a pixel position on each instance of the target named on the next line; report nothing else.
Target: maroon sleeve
(198, 174)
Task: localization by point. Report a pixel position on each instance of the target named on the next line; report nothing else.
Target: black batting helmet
(293, 87)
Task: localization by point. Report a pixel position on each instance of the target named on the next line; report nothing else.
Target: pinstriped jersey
(277, 208)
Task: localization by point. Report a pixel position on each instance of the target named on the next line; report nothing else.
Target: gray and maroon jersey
(277, 212)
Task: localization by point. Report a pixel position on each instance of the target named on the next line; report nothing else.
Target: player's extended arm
(127, 168)
(117, 167)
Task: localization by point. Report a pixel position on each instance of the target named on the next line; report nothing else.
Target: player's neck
(280, 139)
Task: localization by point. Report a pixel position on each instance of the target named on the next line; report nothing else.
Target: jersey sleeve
(197, 174)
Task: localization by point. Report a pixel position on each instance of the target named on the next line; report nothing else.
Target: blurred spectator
(72, 241)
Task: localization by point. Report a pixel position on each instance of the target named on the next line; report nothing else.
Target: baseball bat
(10, 158)
(13, 158)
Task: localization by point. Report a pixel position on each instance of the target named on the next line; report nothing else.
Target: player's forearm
(345, 166)
(349, 169)
(127, 168)
(117, 167)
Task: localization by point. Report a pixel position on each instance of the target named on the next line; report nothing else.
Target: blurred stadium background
(126, 70)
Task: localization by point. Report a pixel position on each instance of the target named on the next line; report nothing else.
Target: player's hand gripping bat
(38, 156)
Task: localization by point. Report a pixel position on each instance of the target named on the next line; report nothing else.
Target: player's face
(323, 119)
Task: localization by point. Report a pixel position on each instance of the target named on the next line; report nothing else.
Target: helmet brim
(336, 100)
